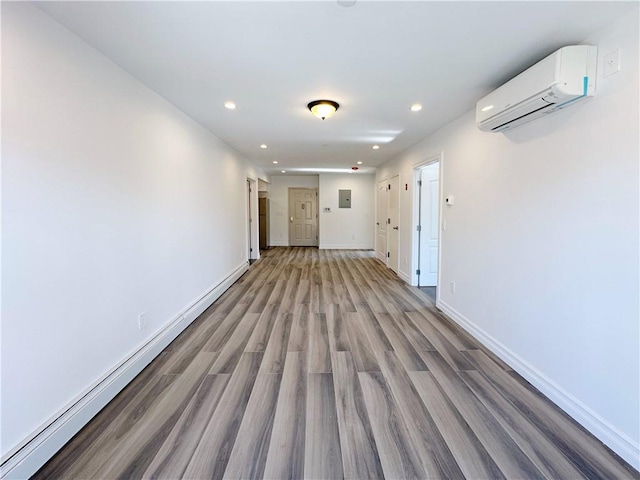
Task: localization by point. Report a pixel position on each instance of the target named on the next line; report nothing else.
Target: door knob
(377, 223)
(291, 220)
(395, 228)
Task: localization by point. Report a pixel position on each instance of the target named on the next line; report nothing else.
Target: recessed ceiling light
(376, 147)
(230, 105)
(416, 107)
(275, 162)
(263, 146)
(487, 108)
(359, 163)
(283, 171)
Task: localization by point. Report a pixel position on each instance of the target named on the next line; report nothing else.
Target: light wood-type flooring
(323, 364)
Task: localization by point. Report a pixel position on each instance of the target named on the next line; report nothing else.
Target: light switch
(611, 63)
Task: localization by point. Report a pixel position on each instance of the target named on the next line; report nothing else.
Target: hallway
(323, 364)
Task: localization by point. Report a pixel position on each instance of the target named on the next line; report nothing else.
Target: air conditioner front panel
(557, 81)
(530, 84)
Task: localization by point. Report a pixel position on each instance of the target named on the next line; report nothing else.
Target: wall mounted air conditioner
(561, 79)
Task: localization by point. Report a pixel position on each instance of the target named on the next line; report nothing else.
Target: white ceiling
(375, 58)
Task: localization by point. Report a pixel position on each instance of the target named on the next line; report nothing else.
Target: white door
(429, 231)
(393, 232)
(381, 221)
(303, 217)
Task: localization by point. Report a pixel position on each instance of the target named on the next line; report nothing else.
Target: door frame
(415, 219)
(289, 223)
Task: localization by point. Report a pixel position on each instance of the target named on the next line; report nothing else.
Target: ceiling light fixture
(275, 162)
(359, 163)
(283, 171)
(230, 105)
(323, 108)
(263, 146)
(376, 147)
(416, 107)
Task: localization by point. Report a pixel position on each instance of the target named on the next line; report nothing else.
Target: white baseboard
(345, 246)
(279, 244)
(32, 453)
(618, 441)
(404, 277)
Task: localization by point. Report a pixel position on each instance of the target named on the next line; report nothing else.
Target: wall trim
(618, 441)
(32, 453)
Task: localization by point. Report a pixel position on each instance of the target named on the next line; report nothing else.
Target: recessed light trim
(376, 147)
(275, 162)
(359, 163)
(416, 107)
(229, 105)
(264, 145)
(283, 171)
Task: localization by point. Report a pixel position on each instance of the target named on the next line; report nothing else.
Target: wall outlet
(142, 321)
(452, 287)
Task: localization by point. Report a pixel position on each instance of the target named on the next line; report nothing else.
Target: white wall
(279, 204)
(543, 244)
(347, 227)
(114, 203)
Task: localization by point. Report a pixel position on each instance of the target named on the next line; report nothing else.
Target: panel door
(381, 221)
(303, 217)
(393, 213)
(429, 210)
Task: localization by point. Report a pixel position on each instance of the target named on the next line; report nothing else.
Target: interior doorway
(426, 258)
(252, 226)
(303, 217)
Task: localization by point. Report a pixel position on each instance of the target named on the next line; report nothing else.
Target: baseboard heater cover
(31, 454)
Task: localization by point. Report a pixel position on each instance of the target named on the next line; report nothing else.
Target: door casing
(439, 157)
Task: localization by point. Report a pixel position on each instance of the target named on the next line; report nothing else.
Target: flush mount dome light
(323, 108)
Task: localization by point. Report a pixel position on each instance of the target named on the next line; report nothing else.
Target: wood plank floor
(323, 364)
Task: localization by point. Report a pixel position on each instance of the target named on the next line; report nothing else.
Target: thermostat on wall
(449, 200)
